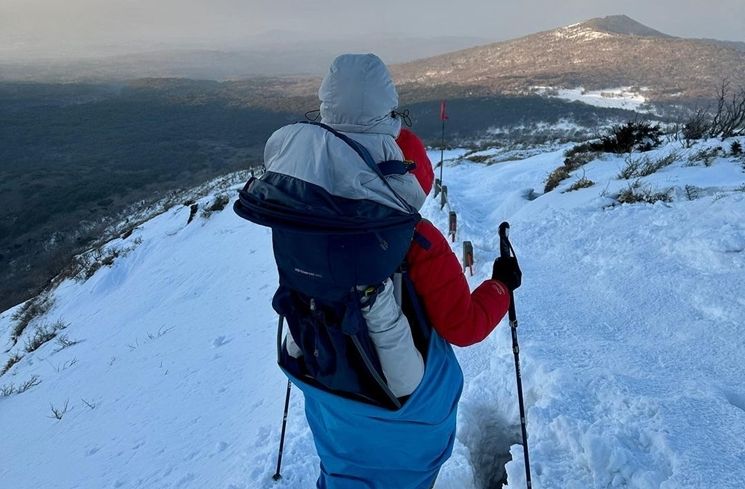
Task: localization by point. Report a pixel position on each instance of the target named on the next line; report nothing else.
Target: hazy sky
(50, 25)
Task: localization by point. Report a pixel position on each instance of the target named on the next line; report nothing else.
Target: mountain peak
(621, 24)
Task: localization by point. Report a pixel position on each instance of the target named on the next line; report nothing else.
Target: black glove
(507, 271)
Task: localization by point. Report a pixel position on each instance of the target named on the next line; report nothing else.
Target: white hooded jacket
(358, 98)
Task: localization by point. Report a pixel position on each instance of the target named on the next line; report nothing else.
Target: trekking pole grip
(504, 240)
(505, 251)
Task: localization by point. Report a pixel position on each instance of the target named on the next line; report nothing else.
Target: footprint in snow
(220, 341)
(736, 399)
(191, 456)
(185, 479)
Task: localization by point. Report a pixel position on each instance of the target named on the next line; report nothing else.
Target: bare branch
(32, 382)
(729, 118)
(59, 413)
(89, 404)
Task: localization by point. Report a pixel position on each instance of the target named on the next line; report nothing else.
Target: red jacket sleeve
(414, 150)
(461, 317)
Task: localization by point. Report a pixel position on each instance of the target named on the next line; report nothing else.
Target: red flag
(443, 114)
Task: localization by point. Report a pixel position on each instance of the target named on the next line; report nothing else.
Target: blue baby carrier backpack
(325, 247)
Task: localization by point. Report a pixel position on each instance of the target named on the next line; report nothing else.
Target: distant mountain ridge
(597, 54)
(273, 54)
(621, 24)
(601, 53)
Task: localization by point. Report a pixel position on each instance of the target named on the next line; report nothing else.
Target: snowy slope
(631, 333)
(176, 355)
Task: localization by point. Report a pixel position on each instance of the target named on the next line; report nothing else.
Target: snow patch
(578, 32)
(628, 98)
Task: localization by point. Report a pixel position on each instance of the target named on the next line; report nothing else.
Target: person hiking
(343, 206)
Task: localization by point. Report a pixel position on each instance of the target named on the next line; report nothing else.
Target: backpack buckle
(367, 295)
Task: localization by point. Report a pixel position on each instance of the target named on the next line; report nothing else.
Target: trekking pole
(443, 118)
(505, 248)
(277, 476)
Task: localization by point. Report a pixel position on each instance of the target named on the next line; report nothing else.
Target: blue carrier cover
(362, 446)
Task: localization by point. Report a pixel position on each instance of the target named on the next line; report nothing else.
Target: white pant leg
(390, 332)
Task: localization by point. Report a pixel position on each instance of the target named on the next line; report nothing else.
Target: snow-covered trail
(631, 333)
(631, 342)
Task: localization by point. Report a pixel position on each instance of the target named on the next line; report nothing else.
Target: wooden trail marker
(453, 226)
(444, 197)
(468, 256)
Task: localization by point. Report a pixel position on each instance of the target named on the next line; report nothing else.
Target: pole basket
(468, 257)
(453, 227)
(443, 196)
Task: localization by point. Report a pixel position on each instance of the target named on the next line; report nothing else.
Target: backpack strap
(421, 240)
(367, 158)
(351, 326)
(396, 167)
(378, 379)
(280, 330)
